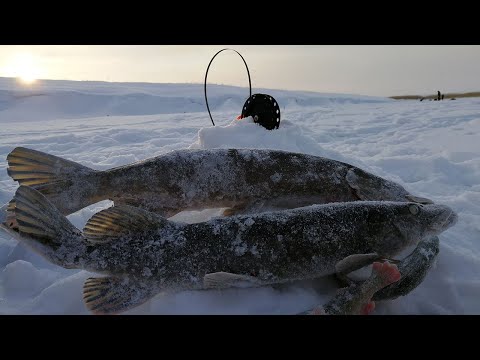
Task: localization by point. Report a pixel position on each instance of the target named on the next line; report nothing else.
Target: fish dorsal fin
(355, 179)
(224, 280)
(119, 221)
(110, 295)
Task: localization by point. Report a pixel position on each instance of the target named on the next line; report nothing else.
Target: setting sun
(23, 66)
(27, 79)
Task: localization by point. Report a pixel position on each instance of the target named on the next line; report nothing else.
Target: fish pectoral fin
(111, 295)
(353, 181)
(224, 280)
(117, 221)
(363, 185)
(355, 262)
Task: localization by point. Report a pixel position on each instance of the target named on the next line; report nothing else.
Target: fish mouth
(418, 199)
(451, 220)
(445, 219)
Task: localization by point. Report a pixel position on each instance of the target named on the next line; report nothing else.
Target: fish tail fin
(43, 227)
(65, 183)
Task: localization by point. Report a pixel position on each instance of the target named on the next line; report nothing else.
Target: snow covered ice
(430, 148)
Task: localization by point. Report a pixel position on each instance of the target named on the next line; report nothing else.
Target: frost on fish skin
(274, 246)
(276, 177)
(146, 272)
(136, 243)
(194, 179)
(249, 222)
(427, 253)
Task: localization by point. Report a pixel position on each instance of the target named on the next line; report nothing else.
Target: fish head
(432, 219)
(401, 225)
(369, 187)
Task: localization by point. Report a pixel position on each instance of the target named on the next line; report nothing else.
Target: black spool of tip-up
(263, 108)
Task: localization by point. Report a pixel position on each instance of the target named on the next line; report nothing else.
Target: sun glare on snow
(23, 66)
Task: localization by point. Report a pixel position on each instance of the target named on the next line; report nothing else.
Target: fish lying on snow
(244, 180)
(144, 253)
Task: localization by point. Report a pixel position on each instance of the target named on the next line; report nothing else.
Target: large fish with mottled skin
(243, 180)
(144, 253)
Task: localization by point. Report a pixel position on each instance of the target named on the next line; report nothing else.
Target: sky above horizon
(378, 70)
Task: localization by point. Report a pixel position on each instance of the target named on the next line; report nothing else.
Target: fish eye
(414, 209)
